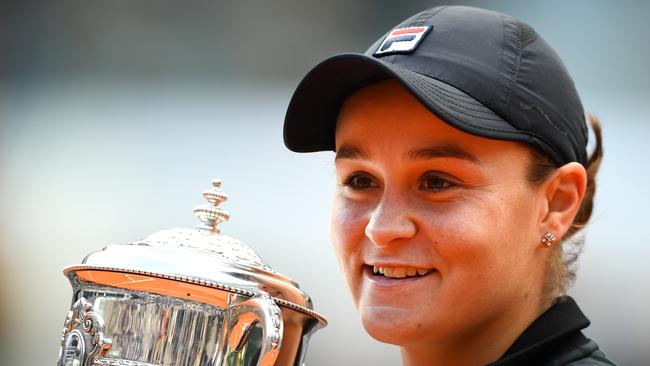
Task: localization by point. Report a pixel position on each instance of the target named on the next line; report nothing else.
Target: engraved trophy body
(184, 297)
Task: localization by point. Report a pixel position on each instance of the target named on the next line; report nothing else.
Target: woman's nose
(390, 221)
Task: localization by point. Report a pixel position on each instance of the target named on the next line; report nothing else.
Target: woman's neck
(482, 345)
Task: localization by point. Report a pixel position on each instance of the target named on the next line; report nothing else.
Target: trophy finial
(211, 215)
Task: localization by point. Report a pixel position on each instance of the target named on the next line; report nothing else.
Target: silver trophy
(185, 297)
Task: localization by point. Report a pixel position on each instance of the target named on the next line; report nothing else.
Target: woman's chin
(391, 325)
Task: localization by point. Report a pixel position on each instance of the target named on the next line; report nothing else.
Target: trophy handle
(83, 340)
(244, 316)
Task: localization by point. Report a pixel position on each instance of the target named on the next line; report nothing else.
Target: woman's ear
(564, 190)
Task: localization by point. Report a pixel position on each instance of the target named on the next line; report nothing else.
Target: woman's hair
(562, 269)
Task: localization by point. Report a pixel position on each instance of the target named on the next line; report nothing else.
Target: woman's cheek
(348, 223)
(461, 233)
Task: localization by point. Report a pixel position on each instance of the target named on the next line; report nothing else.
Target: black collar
(555, 332)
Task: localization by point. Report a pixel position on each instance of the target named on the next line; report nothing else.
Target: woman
(462, 171)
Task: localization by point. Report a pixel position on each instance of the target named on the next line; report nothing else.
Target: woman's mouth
(397, 272)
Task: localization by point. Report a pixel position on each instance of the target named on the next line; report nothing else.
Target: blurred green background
(115, 115)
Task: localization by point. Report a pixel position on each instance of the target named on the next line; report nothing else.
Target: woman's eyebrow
(349, 152)
(442, 151)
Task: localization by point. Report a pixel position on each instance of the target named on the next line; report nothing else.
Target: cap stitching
(455, 107)
(516, 66)
(448, 93)
(484, 128)
(424, 20)
(453, 103)
(553, 148)
(503, 42)
(513, 133)
(546, 117)
(454, 95)
(528, 35)
(430, 88)
(444, 91)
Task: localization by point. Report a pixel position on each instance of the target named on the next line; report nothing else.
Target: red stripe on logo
(408, 30)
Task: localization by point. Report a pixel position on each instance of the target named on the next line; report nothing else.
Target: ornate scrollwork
(83, 340)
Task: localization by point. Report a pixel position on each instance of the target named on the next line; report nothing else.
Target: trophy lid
(197, 257)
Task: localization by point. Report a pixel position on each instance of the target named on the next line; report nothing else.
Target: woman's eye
(434, 182)
(359, 182)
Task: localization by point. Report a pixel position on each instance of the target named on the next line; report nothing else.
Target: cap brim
(311, 117)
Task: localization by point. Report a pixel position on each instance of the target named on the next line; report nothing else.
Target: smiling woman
(458, 168)
(428, 220)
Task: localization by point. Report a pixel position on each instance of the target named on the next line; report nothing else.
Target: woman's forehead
(387, 105)
(386, 112)
(381, 100)
(384, 118)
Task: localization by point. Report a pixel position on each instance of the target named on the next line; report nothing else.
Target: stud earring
(548, 239)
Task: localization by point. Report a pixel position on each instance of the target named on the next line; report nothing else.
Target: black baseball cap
(480, 71)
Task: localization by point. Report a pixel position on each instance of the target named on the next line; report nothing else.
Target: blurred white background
(114, 116)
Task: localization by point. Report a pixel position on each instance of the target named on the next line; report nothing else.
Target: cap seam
(407, 73)
(454, 107)
(450, 93)
(554, 148)
(516, 66)
(451, 104)
(503, 42)
(431, 16)
(419, 82)
(541, 139)
(516, 132)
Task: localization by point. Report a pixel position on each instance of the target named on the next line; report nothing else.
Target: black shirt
(555, 338)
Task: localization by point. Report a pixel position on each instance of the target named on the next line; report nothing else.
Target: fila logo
(402, 40)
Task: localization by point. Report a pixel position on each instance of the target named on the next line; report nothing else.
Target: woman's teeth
(400, 272)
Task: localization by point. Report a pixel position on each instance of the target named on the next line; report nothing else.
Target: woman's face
(437, 231)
